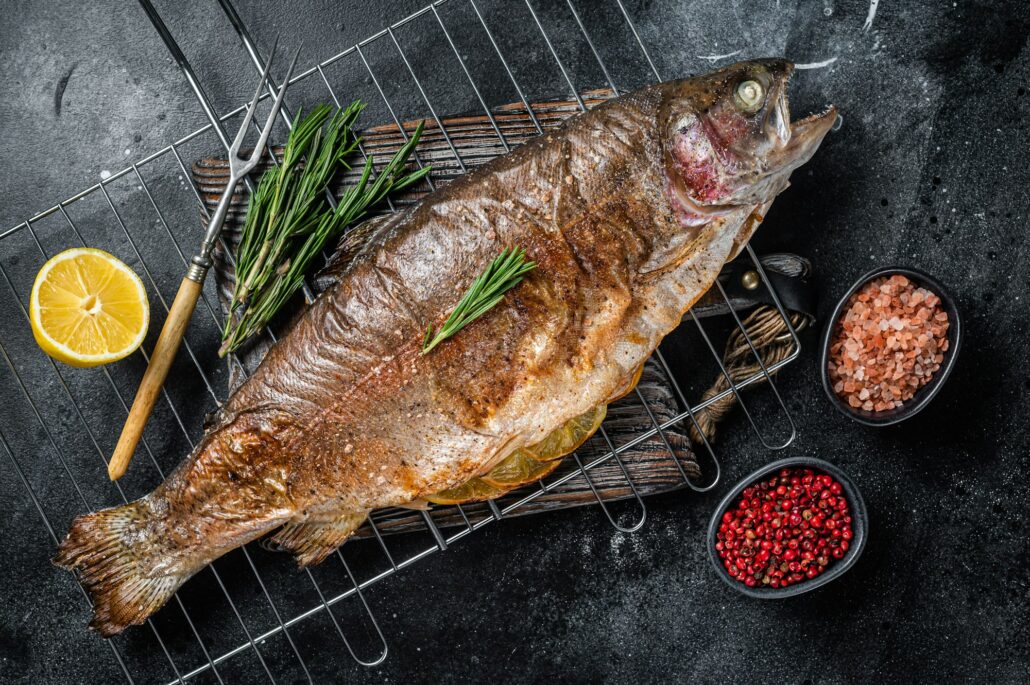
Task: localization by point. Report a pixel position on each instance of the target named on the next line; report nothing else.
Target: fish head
(729, 139)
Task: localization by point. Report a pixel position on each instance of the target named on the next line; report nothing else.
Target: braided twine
(772, 340)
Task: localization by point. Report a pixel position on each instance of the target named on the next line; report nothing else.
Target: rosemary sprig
(504, 273)
(289, 219)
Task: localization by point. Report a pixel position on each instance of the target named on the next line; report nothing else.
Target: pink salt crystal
(878, 371)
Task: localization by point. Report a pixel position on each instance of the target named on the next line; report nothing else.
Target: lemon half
(88, 308)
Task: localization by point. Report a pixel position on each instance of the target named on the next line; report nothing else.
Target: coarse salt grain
(889, 343)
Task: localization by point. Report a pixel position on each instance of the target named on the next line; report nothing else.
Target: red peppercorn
(785, 529)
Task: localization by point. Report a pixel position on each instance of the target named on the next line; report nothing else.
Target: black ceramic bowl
(924, 394)
(859, 526)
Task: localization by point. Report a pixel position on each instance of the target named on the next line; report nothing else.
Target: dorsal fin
(348, 248)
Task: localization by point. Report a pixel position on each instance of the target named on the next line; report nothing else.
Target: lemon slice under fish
(528, 464)
(519, 469)
(475, 490)
(88, 308)
(570, 436)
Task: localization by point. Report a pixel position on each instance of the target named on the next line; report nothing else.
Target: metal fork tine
(280, 96)
(234, 151)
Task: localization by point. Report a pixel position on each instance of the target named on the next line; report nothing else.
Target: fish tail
(113, 552)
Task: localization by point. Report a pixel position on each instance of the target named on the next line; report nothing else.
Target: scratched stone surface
(928, 169)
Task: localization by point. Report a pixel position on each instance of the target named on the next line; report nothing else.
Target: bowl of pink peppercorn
(889, 346)
(790, 527)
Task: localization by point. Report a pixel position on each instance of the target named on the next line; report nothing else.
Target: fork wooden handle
(160, 361)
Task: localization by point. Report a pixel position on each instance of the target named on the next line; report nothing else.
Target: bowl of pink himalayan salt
(889, 346)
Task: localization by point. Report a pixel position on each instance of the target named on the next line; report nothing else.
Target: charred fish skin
(630, 211)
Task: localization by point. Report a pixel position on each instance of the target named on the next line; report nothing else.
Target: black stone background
(928, 169)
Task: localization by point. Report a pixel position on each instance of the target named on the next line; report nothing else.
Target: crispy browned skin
(345, 415)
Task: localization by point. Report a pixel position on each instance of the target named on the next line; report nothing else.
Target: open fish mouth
(806, 134)
(794, 142)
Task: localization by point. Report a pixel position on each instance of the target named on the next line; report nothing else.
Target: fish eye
(750, 95)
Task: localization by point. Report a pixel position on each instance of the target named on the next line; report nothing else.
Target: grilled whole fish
(630, 211)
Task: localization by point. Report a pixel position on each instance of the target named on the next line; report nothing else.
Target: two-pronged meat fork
(193, 282)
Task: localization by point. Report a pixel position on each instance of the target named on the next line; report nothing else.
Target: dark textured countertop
(928, 169)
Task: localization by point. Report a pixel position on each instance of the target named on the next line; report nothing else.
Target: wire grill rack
(252, 607)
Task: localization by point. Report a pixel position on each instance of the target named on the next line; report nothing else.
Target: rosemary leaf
(502, 274)
(289, 220)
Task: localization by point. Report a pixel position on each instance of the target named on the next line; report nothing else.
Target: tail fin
(113, 551)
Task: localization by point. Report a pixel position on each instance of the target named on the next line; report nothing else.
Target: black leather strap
(788, 274)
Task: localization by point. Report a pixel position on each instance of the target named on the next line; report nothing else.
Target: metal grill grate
(47, 430)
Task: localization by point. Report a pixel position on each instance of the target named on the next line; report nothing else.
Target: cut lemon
(88, 308)
(568, 437)
(475, 490)
(521, 468)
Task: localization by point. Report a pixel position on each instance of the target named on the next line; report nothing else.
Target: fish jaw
(806, 135)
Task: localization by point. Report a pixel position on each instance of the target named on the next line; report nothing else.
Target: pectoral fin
(311, 542)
